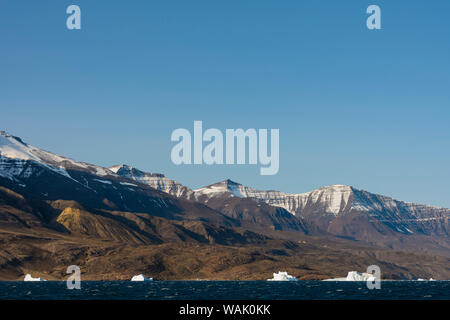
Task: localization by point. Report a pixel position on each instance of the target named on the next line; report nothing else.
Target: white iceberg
(356, 276)
(282, 276)
(28, 277)
(141, 277)
(420, 279)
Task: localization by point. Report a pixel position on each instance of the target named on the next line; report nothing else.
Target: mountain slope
(16, 157)
(344, 210)
(251, 213)
(83, 223)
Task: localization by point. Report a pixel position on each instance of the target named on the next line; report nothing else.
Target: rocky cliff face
(155, 180)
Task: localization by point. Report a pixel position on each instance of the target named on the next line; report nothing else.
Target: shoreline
(209, 280)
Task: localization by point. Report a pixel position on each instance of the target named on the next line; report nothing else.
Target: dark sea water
(225, 290)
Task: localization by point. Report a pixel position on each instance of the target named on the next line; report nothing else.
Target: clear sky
(358, 107)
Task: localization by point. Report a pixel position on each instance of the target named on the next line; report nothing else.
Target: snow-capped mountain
(329, 206)
(331, 200)
(155, 180)
(337, 209)
(17, 159)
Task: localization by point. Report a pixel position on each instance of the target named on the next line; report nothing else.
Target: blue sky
(364, 108)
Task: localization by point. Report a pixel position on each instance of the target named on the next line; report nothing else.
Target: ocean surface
(225, 290)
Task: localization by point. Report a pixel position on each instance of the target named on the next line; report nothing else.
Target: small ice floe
(282, 276)
(420, 279)
(28, 277)
(355, 276)
(141, 277)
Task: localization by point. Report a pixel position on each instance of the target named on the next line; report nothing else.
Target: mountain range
(337, 209)
(113, 221)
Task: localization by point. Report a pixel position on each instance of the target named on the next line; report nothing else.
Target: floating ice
(282, 276)
(420, 279)
(356, 276)
(141, 277)
(28, 277)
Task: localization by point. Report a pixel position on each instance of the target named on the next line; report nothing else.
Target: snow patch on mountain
(103, 181)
